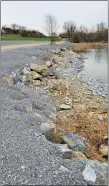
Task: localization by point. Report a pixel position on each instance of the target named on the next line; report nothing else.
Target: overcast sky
(31, 13)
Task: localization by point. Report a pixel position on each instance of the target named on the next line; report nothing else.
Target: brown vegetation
(83, 47)
(82, 119)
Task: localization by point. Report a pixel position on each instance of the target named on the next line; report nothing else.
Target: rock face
(74, 142)
(35, 68)
(48, 129)
(89, 174)
(48, 64)
(103, 150)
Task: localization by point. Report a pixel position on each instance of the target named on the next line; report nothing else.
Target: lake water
(96, 64)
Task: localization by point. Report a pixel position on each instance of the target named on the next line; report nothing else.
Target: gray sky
(31, 13)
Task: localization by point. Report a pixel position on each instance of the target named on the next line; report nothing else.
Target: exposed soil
(82, 119)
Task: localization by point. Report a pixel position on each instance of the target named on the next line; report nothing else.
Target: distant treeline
(22, 31)
(71, 32)
(100, 33)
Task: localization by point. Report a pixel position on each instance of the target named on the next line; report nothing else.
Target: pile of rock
(34, 72)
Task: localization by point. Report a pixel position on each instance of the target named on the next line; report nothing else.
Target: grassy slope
(17, 38)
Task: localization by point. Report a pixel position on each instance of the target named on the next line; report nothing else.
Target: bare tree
(14, 26)
(70, 28)
(100, 27)
(22, 28)
(51, 26)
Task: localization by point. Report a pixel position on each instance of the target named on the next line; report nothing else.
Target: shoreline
(76, 64)
(27, 108)
(67, 64)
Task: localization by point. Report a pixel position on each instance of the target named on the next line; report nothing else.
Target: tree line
(71, 31)
(21, 30)
(100, 33)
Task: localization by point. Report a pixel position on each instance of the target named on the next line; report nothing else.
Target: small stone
(48, 72)
(66, 153)
(63, 169)
(28, 110)
(100, 118)
(103, 150)
(25, 70)
(64, 107)
(48, 64)
(35, 68)
(48, 129)
(89, 174)
(68, 101)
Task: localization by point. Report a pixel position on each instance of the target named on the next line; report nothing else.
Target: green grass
(18, 38)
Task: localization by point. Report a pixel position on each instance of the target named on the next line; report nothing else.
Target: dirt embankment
(84, 116)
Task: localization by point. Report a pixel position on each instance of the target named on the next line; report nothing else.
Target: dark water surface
(96, 64)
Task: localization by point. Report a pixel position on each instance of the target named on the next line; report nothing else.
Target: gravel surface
(27, 156)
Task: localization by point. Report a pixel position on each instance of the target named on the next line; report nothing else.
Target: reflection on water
(96, 64)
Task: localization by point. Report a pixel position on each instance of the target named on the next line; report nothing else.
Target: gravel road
(27, 156)
(9, 45)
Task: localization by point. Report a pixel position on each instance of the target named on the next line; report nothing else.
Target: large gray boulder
(74, 141)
